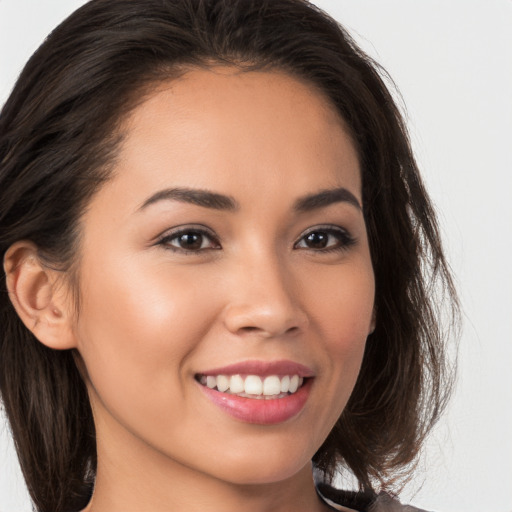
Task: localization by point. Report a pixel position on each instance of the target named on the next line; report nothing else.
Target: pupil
(317, 240)
(191, 241)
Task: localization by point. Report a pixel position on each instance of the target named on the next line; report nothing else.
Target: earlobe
(37, 294)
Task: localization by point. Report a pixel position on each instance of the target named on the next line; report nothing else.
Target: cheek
(342, 302)
(342, 313)
(137, 334)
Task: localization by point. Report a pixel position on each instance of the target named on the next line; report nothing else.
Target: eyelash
(180, 232)
(344, 239)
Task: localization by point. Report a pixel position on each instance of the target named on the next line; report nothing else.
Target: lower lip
(260, 411)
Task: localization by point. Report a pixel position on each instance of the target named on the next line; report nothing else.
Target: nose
(264, 301)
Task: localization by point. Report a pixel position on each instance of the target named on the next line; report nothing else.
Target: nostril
(249, 329)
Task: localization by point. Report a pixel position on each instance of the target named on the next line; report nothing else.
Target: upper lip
(262, 368)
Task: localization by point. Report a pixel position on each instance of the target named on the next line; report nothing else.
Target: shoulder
(362, 501)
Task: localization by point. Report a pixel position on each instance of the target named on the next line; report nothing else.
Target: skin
(153, 315)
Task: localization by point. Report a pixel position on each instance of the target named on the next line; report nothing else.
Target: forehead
(222, 128)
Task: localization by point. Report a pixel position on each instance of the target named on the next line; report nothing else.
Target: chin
(263, 467)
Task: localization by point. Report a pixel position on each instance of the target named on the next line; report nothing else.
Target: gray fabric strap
(385, 503)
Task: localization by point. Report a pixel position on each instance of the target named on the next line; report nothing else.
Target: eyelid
(346, 238)
(172, 233)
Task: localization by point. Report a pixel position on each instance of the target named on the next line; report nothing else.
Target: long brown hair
(59, 132)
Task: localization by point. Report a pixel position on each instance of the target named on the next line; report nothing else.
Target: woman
(220, 263)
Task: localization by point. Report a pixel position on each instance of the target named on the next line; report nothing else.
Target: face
(225, 264)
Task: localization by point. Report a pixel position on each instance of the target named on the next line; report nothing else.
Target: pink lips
(261, 411)
(262, 368)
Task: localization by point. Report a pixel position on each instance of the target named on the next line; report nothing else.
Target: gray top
(347, 501)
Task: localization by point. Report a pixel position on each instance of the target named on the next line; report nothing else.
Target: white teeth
(271, 386)
(236, 384)
(253, 385)
(211, 381)
(222, 383)
(294, 384)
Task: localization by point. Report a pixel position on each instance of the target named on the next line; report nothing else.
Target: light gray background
(452, 61)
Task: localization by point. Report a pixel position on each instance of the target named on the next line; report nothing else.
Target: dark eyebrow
(194, 196)
(325, 198)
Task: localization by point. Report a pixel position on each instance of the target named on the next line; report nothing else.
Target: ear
(39, 296)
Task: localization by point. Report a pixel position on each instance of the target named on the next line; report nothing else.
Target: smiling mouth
(253, 386)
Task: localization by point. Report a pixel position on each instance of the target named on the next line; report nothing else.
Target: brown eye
(326, 239)
(189, 240)
(317, 240)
